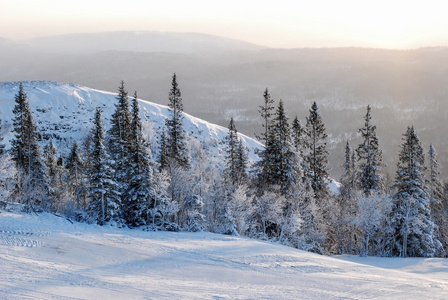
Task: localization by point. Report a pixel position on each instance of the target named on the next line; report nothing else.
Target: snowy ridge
(46, 257)
(63, 112)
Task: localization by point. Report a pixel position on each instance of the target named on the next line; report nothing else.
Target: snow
(64, 112)
(47, 257)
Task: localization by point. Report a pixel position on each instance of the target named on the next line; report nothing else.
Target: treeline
(113, 178)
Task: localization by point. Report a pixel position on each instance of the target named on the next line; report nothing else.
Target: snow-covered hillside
(64, 113)
(46, 257)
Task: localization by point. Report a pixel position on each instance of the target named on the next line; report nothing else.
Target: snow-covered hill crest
(64, 113)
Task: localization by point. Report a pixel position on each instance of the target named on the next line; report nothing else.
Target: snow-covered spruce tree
(176, 135)
(316, 171)
(177, 156)
(120, 131)
(266, 113)
(439, 211)
(348, 178)
(279, 165)
(104, 195)
(139, 195)
(369, 157)
(348, 195)
(118, 140)
(235, 157)
(411, 220)
(76, 178)
(31, 185)
(316, 154)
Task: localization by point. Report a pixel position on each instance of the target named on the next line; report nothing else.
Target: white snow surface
(46, 257)
(64, 113)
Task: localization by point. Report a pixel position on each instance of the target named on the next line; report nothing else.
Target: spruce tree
(316, 154)
(278, 164)
(348, 176)
(411, 220)
(235, 157)
(103, 190)
(176, 135)
(439, 211)
(119, 139)
(27, 155)
(369, 157)
(120, 130)
(140, 195)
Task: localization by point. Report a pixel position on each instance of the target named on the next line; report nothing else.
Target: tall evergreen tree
(266, 113)
(414, 230)
(140, 194)
(316, 156)
(348, 176)
(120, 130)
(369, 157)
(439, 211)
(119, 139)
(26, 153)
(176, 135)
(103, 190)
(235, 156)
(278, 164)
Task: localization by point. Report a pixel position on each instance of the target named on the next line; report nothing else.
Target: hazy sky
(275, 23)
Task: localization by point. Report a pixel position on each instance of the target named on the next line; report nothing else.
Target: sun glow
(282, 23)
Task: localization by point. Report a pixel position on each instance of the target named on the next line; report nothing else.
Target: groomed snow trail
(45, 257)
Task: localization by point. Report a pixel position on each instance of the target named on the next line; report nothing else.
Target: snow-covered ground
(47, 257)
(64, 113)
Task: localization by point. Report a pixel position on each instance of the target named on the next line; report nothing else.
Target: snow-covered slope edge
(45, 257)
(64, 113)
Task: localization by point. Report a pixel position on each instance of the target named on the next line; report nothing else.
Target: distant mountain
(141, 41)
(404, 87)
(64, 113)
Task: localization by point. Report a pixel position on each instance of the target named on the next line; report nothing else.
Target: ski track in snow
(45, 257)
(21, 237)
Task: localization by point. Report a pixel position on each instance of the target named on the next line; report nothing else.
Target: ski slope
(47, 257)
